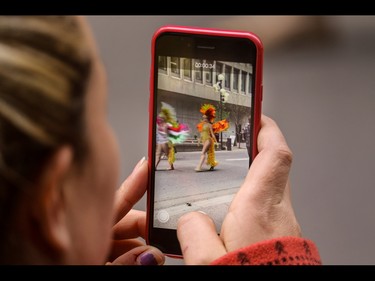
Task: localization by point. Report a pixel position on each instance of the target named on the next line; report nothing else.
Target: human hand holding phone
(130, 224)
(261, 209)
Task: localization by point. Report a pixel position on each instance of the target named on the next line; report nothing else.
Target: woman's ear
(49, 214)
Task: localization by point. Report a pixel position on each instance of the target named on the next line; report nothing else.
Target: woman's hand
(261, 209)
(130, 225)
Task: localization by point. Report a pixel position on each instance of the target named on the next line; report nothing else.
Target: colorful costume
(204, 128)
(177, 133)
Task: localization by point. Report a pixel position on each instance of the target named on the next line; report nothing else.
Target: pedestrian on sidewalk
(247, 134)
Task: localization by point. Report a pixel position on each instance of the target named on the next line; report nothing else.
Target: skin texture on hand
(130, 224)
(261, 209)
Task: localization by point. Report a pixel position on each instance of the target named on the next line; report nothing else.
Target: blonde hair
(44, 68)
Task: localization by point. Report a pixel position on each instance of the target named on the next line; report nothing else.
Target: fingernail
(139, 164)
(147, 259)
(202, 212)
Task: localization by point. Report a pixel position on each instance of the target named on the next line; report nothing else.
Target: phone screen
(202, 129)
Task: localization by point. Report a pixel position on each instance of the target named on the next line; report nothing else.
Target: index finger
(131, 190)
(132, 225)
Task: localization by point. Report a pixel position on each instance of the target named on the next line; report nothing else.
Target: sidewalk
(193, 146)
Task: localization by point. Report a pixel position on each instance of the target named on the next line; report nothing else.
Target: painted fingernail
(147, 259)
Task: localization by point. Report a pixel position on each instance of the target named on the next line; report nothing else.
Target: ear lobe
(49, 211)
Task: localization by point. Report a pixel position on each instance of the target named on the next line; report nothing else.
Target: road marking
(237, 159)
(164, 214)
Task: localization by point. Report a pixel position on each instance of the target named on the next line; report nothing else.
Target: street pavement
(183, 189)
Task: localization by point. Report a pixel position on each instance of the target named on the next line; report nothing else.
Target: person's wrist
(286, 250)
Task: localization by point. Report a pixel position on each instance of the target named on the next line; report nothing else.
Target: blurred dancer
(162, 142)
(169, 132)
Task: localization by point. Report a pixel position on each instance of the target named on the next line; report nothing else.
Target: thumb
(270, 169)
(200, 243)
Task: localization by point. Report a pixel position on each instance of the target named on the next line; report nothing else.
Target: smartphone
(204, 117)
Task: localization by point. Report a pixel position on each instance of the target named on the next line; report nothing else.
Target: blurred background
(319, 86)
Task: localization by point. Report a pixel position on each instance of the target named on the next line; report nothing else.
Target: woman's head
(53, 131)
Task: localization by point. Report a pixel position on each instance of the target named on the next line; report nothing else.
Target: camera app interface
(202, 136)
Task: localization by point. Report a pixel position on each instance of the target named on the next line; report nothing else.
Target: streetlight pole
(223, 96)
(221, 108)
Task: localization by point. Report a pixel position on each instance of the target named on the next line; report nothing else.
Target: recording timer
(204, 65)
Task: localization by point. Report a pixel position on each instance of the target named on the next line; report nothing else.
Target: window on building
(243, 81)
(175, 66)
(208, 72)
(228, 71)
(250, 84)
(162, 63)
(236, 75)
(198, 71)
(187, 69)
(218, 70)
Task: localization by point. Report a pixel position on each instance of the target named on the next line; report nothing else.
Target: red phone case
(258, 83)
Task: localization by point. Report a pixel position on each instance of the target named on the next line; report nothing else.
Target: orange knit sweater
(278, 251)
